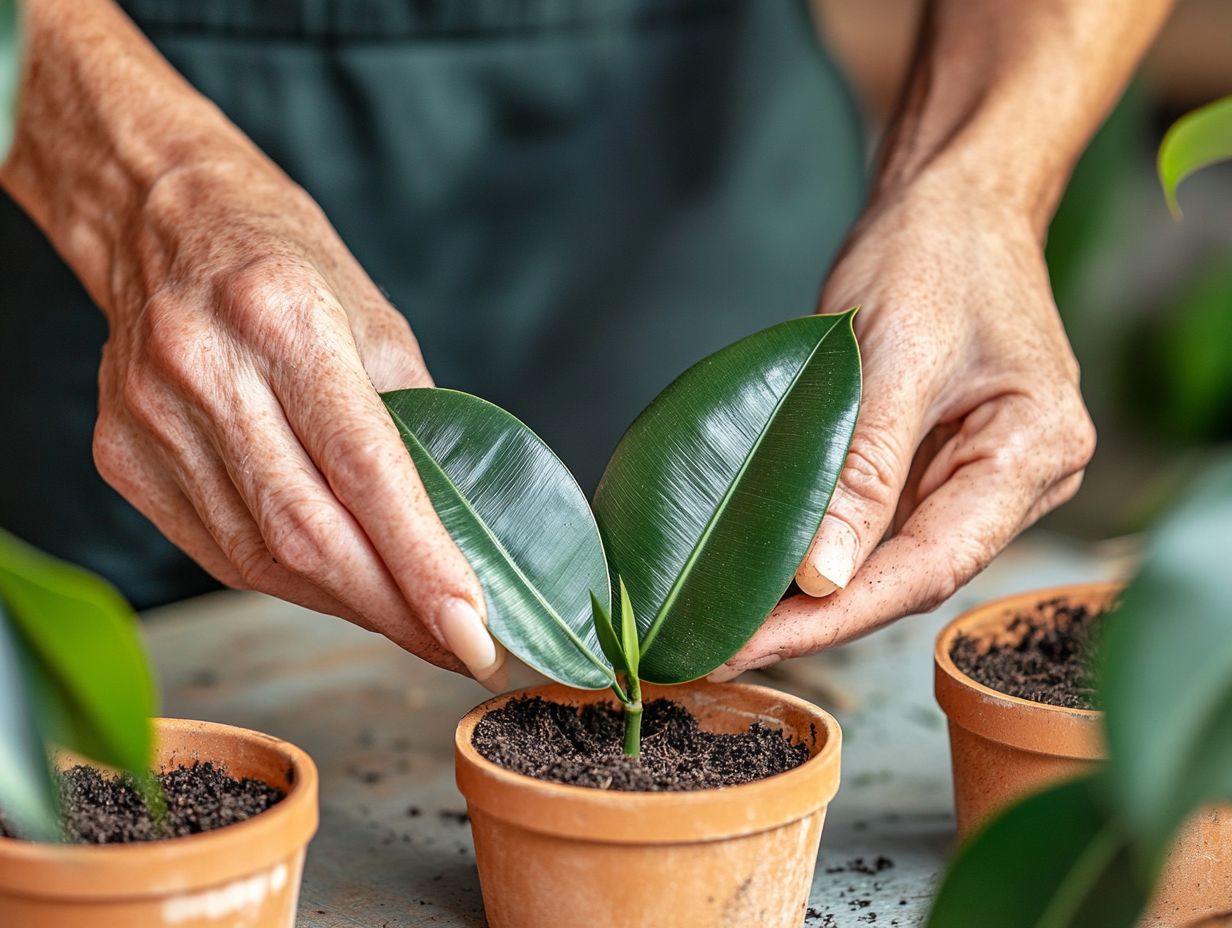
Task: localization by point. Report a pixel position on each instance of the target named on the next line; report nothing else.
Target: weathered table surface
(393, 847)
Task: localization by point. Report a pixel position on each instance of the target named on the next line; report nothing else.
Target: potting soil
(1044, 657)
(103, 809)
(584, 747)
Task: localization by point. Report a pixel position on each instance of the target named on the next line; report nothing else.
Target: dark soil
(1045, 657)
(553, 741)
(101, 809)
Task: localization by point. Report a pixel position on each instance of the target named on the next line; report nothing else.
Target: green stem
(633, 718)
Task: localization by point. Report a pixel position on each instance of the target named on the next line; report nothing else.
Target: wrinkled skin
(971, 427)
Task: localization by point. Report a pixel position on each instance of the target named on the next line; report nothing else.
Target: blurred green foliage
(1087, 852)
(73, 674)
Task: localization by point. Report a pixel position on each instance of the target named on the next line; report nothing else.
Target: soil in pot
(583, 747)
(99, 808)
(1044, 656)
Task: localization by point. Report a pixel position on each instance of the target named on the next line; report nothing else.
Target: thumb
(866, 496)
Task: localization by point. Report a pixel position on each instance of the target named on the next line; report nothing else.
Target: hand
(239, 411)
(971, 426)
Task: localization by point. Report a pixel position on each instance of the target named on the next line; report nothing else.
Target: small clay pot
(1003, 748)
(243, 875)
(556, 856)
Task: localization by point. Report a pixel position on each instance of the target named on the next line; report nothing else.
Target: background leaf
(713, 495)
(10, 68)
(1196, 140)
(518, 515)
(87, 669)
(27, 795)
(1167, 669)
(1054, 860)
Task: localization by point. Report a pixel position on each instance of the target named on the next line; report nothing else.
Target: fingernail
(467, 637)
(724, 674)
(497, 680)
(831, 560)
(727, 672)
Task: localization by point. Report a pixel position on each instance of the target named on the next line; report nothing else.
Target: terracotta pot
(1003, 747)
(241, 876)
(555, 856)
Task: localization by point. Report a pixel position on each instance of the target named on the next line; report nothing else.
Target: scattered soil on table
(583, 747)
(1045, 656)
(97, 808)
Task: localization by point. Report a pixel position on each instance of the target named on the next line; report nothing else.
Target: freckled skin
(972, 424)
(238, 388)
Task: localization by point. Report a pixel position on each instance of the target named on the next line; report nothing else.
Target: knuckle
(298, 533)
(355, 455)
(274, 301)
(169, 346)
(143, 399)
(108, 446)
(870, 472)
(253, 563)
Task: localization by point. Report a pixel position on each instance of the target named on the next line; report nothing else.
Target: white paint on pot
(240, 896)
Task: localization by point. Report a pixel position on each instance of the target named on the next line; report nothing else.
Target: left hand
(972, 425)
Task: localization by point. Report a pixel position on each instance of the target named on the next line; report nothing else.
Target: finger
(993, 492)
(388, 349)
(307, 529)
(156, 495)
(878, 462)
(344, 427)
(188, 492)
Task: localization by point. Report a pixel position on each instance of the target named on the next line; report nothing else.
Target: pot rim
(1012, 720)
(166, 865)
(637, 817)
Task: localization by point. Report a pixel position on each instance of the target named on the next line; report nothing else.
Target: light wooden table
(393, 850)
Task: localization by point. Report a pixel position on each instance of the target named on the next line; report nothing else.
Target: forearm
(1003, 96)
(102, 118)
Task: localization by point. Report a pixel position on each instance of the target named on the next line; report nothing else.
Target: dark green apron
(571, 202)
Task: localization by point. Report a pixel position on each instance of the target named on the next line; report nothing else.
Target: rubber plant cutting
(708, 798)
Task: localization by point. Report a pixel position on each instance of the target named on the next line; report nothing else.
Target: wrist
(942, 194)
(102, 119)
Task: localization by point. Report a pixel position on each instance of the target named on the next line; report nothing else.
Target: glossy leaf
(88, 671)
(1055, 860)
(1167, 670)
(518, 515)
(608, 640)
(10, 71)
(1196, 140)
(630, 647)
(27, 795)
(713, 495)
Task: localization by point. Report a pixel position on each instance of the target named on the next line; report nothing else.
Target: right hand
(238, 411)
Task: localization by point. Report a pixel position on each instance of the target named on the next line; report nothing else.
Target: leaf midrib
(1076, 884)
(728, 494)
(496, 543)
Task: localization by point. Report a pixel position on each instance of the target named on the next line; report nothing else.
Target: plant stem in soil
(633, 718)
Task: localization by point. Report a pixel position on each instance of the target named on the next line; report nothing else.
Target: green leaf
(88, 670)
(607, 634)
(629, 644)
(27, 794)
(713, 495)
(10, 71)
(1196, 140)
(1054, 860)
(1166, 675)
(517, 514)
